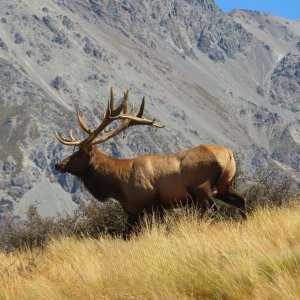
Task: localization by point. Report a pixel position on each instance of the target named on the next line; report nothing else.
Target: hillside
(185, 259)
(209, 77)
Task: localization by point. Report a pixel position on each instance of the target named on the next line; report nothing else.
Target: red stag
(149, 182)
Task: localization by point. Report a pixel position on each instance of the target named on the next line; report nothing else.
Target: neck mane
(104, 176)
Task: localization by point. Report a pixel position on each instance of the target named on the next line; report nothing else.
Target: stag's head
(79, 161)
(75, 164)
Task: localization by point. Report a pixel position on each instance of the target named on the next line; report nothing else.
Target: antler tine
(71, 135)
(112, 100)
(142, 107)
(68, 142)
(110, 111)
(125, 101)
(72, 141)
(110, 115)
(82, 122)
(138, 119)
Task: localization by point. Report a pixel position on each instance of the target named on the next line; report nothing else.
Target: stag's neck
(106, 176)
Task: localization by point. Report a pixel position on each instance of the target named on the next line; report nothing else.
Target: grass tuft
(183, 258)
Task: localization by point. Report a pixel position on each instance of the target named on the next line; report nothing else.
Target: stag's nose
(60, 167)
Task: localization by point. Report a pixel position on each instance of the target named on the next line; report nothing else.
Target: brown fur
(168, 180)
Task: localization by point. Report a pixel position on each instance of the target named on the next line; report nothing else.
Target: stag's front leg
(132, 222)
(157, 209)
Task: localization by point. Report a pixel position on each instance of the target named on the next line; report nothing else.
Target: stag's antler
(128, 119)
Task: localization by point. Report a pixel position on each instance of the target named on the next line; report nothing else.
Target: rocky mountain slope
(210, 77)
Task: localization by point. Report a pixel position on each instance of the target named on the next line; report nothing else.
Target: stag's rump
(197, 170)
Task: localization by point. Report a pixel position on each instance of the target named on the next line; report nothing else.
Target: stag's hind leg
(202, 198)
(233, 198)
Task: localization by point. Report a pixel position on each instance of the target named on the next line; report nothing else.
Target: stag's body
(141, 183)
(151, 182)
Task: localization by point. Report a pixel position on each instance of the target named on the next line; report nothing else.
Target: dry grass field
(186, 258)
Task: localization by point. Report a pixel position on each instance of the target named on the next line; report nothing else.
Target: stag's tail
(225, 192)
(228, 171)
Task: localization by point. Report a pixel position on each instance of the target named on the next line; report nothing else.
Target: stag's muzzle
(60, 167)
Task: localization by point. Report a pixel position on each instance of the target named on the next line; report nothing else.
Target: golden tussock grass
(186, 258)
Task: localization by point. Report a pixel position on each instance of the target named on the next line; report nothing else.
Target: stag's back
(174, 176)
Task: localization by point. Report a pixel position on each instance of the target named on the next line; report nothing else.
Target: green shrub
(34, 232)
(92, 219)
